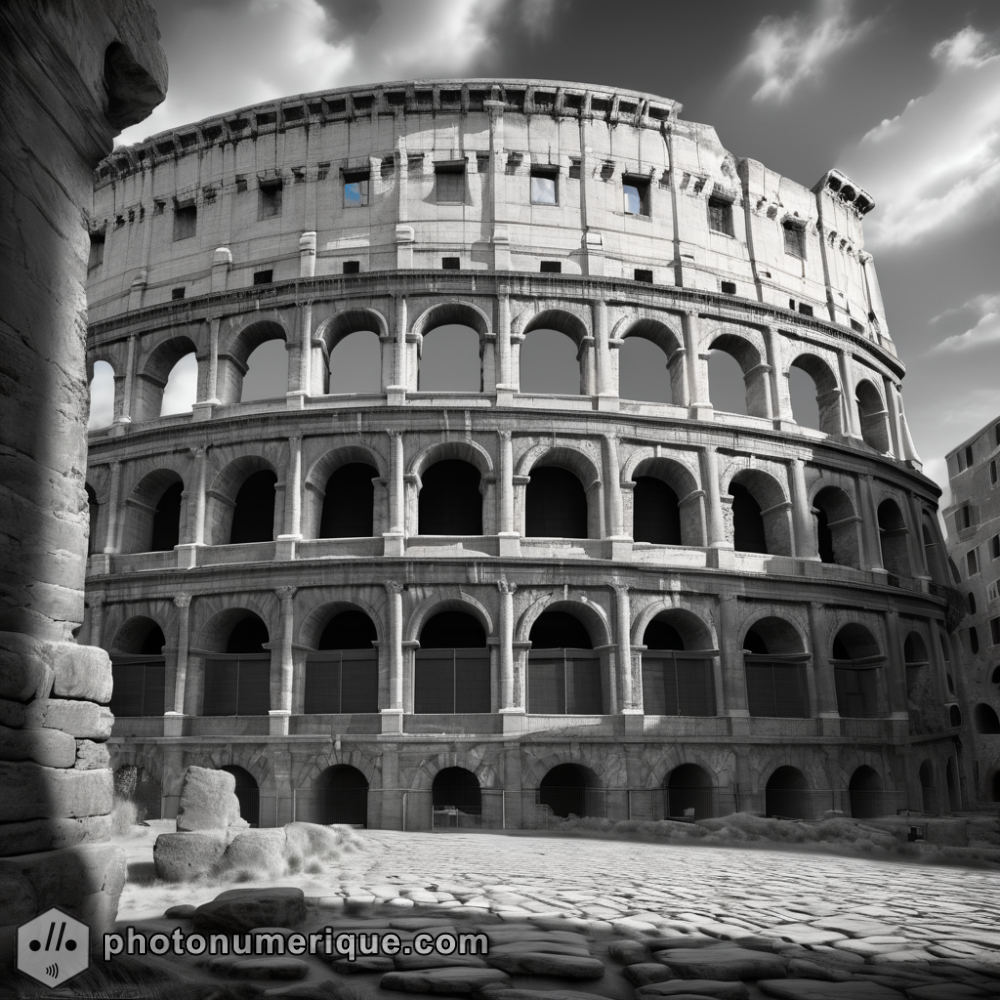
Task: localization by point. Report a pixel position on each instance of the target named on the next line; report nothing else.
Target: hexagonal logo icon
(53, 948)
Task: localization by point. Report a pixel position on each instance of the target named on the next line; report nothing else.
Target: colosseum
(497, 603)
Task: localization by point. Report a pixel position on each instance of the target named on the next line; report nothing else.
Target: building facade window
(269, 200)
(635, 192)
(450, 184)
(972, 562)
(544, 186)
(795, 238)
(994, 631)
(356, 189)
(185, 220)
(720, 216)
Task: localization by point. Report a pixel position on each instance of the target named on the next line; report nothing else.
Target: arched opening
(814, 394)
(837, 527)
(727, 389)
(917, 662)
(678, 677)
(349, 502)
(450, 360)
(995, 786)
(564, 671)
(181, 388)
(138, 669)
(865, 793)
(552, 355)
(748, 523)
(153, 513)
(247, 793)
(760, 509)
(356, 363)
(342, 674)
(928, 792)
(641, 370)
(452, 668)
(856, 659)
(237, 678)
(457, 798)
(934, 553)
(167, 519)
(342, 796)
(955, 715)
(267, 372)
(555, 505)
(571, 790)
(93, 510)
(873, 416)
(102, 397)
(253, 514)
(954, 791)
(450, 501)
(892, 537)
(787, 794)
(737, 382)
(656, 512)
(687, 793)
(774, 662)
(986, 719)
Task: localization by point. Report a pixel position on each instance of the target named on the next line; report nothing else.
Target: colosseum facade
(491, 605)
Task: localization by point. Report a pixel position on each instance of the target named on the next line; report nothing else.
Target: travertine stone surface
(208, 801)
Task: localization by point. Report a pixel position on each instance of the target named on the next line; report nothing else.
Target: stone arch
(590, 615)
(653, 331)
(312, 768)
(786, 793)
(320, 514)
(247, 793)
(873, 415)
(571, 789)
(561, 321)
(694, 632)
(893, 538)
(342, 796)
(986, 719)
(351, 320)
(332, 332)
(554, 501)
(780, 635)
(151, 378)
(215, 632)
(689, 792)
(462, 314)
(766, 528)
(838, 526)
(774, 665)
(235, 352)
(316, 620)
(101, 382)
(224, 493)
(828, 391)
(136, 636)
(457, 788)
(435, 604)
(543, 764)
(251, 760)
(468, 451)
(659, 514)
(430, 767)
(452, 313)
(152, 520)
(865, 793)
(743, 348)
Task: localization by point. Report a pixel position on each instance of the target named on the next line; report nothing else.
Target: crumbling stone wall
(73, 75)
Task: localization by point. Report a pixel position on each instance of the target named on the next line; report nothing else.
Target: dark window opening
(348, 505)
(167, 519)
(795, 238)
(352, 267)
(556, 505)
(994, 631)
(972, 563)
(450, 184)
(456, 790)
(550, 267)
(350, 629)
(451, 263)
(636, 195)
(341, 681)
(238, 683)
(269, 202)
(677, 684)
(688, 793)
(824, 537)
(805, 310)
(571, 790)
(986, 720)
(575, 165)
(857, 692)
(356, 189)
(185, 221)
(972, 604)
(720, 216)
(968, 456)
(139, 680)
(787, 794)
(96, 251)
(993, 473)
(955, 718)
(995, 547)
(643, 274)
(450, 502)
(657, 515)
(262, 277)
(564, 675)
(974, 640)
(857, 327)
(748, 523)
(344, 791)
(177, 293)
(729, 287)
(253, 516)
(452, 667)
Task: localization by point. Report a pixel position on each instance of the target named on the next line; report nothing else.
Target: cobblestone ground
(625, 920)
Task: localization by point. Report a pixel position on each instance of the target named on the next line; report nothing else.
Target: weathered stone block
(240, 910)
(25, 671)
(12, 713)
(78, 718)
(257, 851)
(208, 801)
(44, 746)
(30, 791)
(91, 756)
(52, 833)
(179, 857)
(81, 672)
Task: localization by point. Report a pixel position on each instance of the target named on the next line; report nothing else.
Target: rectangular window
(341, 681)
(352, 267)
(972, 562)
(968, 455)
(857, 327)
(269, 201)
(139, 686)
(564, 682)
(805, 310)
(356, 189)
(550, 266)
(238, 685)
(857, 692)
(644, 275)
(973, 640)
(673, 685)
(994, 631)
(450, 183)
(728, 287)
(96, 251)
(776, 689)
(451, 681)
(636, 195)
(720, 216)
(995, 547)
(993, 472)
(177, 293)
(262, 277)
(451, 263)
(795, 238)
(963, 517)
(185, 220)
(574, 168)
(544, 186)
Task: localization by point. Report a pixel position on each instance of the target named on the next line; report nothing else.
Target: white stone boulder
(208, 801)
(180, 857)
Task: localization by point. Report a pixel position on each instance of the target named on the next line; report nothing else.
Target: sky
(901, 95)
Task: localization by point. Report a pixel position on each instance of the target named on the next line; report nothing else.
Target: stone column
(173, 723)
(508, 537)
(895, 674)
(717, 536)
(918, 552)
(505, 384)
(507, 700)
(612, 476)
(825, 689)
(392, 721)
(869, 524)
(293, 501)
(75, 74)
(806, 539)
(394, 538)
(396, 393)
(607, 394)
(734, 688)
(623, 622)
(781, 406)
(209, 390)
(297, 397)
(114, 503)
(850, 414)
(129, 383)
(697, 370)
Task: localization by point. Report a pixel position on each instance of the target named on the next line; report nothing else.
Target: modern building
(494, 603)
(973, 523)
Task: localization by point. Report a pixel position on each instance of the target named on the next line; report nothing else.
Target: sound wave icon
(52, 971)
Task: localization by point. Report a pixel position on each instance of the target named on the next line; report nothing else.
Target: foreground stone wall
(73, 75)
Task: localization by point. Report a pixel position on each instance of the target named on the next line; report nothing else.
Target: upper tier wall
(255, 180)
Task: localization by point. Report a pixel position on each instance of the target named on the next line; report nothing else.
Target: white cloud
(102, 396)
(181, 389)
(985, 310)
(937, 469)
(224, 57)
(786, 51)
(935, 167)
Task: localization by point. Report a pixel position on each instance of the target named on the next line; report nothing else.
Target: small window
(996, 435)
(973, 640)
(185, 221)
(550, 267)
(995, 547)
(262, 277)
(544, 186)
(857, 327)
(955, 716)
(451, 263)
(356, 189)
(968, 455)
(269, 203)
(177, 293)
(972, 604)
(352, 267)
(574, 174)
(963, 517)
(993, 472)
(973, 562)
(158, 207)
(720, 216)
(995, 631)
(97, 252)
(636, 195)
(644, 275)
(450, 184)
(482, 162)
(729, 287)
(795, 238)
(805, 310)
(241, 184)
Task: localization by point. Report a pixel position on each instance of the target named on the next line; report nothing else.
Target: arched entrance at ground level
(865, 792)
(247, 792)
(687, 793)
(342, 796)
(787, 794)
(457, 798)
(928, 793)
(571, 790)
(954, 792)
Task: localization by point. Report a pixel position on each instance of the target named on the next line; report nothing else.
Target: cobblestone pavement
(580, 919)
